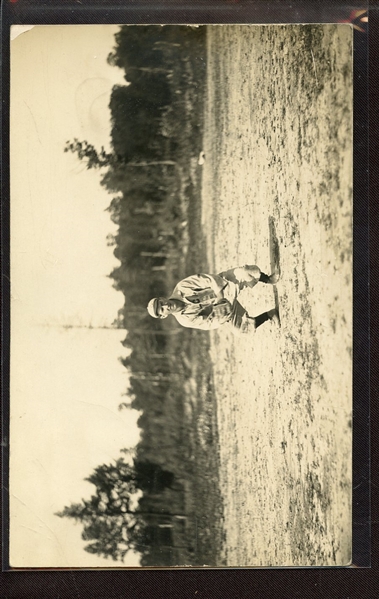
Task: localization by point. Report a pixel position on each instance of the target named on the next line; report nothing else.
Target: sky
(66, 383)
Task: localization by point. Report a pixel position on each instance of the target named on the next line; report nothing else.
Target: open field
(278, 144)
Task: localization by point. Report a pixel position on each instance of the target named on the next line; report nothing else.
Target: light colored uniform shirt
(198, 293)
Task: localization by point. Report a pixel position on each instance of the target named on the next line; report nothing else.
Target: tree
(87, 152)
(95, 159)
(151, 477)
(139, 47)
(111, 521)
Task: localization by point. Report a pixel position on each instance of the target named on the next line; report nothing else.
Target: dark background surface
(337, 583)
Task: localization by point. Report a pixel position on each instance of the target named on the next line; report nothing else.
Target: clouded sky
(66, 384)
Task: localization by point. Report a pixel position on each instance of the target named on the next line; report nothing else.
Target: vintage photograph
(181, 296)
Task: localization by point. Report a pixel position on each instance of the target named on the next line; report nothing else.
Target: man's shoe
(274, 277)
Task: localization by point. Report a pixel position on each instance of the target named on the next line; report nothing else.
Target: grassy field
(278, 144)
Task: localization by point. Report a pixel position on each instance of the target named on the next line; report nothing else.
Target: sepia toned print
(220, 158)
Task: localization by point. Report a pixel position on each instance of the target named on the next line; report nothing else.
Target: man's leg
(248, 276)
(270, 315)
(243, 323)
(238, 316)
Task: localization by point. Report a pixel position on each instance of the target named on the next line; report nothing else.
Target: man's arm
(210, 317)
(198, 321)
(199, 282)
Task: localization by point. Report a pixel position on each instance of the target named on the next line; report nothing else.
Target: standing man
(206, 302)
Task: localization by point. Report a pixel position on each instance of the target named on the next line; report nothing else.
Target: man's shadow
(274, 255)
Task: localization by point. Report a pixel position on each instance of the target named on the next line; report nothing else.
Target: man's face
(168, 306)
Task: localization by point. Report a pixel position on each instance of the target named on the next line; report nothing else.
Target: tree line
(145, 503)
